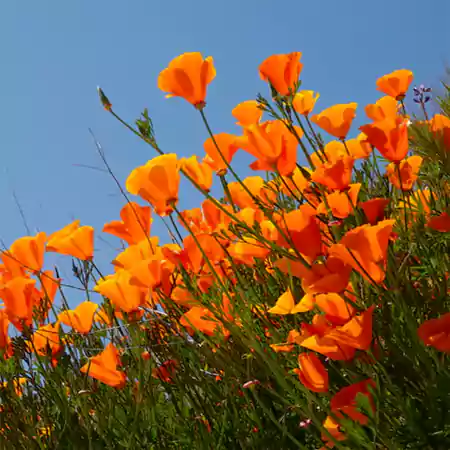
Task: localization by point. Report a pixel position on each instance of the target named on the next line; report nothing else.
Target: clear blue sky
(55, 53)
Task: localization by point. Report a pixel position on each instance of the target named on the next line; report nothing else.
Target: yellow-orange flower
(274, 146)
(200, 172)
(121, 292)
(304, 102)
(134, 225)
(103, 367)
(29, 251)
(256, 186)
(247, 113)
(440, 127)
(396, 83)
(389, 136)
(188, 76)
(312, 373)
(81, 318)
(335, 175)
(336, 119)
(384, 108)
(73, 240)
(228, 147)
(157, 182)
(282, 71)
(404, 174)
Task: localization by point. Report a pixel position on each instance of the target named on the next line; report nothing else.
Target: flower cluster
(307, 268)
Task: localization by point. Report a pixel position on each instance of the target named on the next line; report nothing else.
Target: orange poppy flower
(384, 108)
(409, 171)
(359, 147)
(323, 277)
(47, 293)
(333, 428)
(183, 297)
(257, 188)
(304, 102)
(356, 333)
(195, 248)
(152, 273)
(202, 319)
(133, 254)
(374, 209)
(81, 318)
(245, 252)
(18, 295)
(390, 137)
(282, 72)
(103, 317)
(346, 400)
(46, 341)
(365, 249)
(134, 226)
(335, 175)
(312, 373)
(29, 251)
(73, 240)
(122, 294)
(286, 304)
(216, 218)
(227, 144)
(440, 223)
(250, 216)
(200, 172)
(328, 347)
(436, 333)
(4, 325)
(188, 76)
(341, 204)
(440, 127)
(103, 367)
(157, 182)
(295, 182)
(337, 310)
(274, 146)
(247, 113)
(45, 338)
(336, 120)
(302, 228)
(395, 84)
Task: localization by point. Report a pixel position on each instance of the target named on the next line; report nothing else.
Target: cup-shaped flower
(384, 108)
(312, 373)
(200, 172)
(81, 318)
(219, 154)
(188, 76)
(395, 84)
(336, 120)
(134, 225)
(29, 251)
(103, 367)
(274, 146)
(390, 137)
(436, 333)
(157, 182)
(247, 113)
(282, 72)
(304, 102)
(73, 240)
(404, 174)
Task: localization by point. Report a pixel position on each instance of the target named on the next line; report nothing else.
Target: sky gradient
(55, 53)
